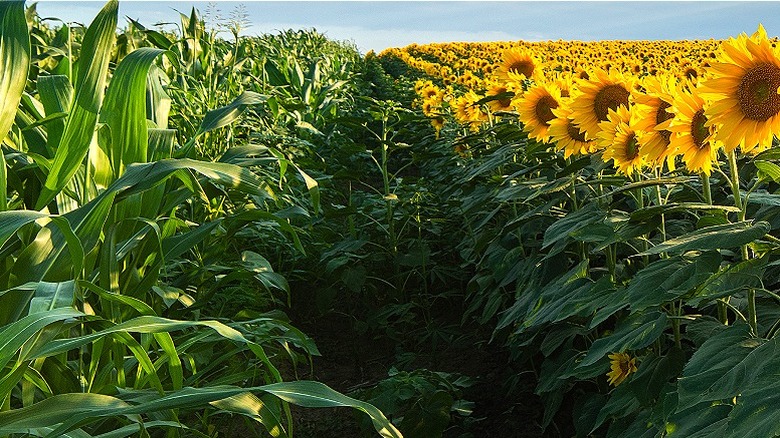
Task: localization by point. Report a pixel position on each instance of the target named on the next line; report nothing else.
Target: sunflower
(622, 365)
(567, 136)
(437, 123)
(519, 64)
(466, 110)
(653, 108)
(593, 98)
(534, 109)
(692, 134)
(620, 141)
(743, 90)
(502, 95)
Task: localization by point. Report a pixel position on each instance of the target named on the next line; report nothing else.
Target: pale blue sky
(378, 25)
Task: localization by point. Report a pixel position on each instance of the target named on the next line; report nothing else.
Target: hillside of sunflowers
(207, 234)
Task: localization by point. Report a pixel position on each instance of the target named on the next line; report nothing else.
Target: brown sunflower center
(544, 107)
(503, 99)
(757, 92)
(699, 132)
(609, 98)
(661, 116)
(632, 147)
(575, 132)
(522, 66)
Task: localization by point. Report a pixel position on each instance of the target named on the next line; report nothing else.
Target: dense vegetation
(197, 234)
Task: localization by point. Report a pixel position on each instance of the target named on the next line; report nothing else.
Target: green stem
(751, 294)
(660, 201)
(706, 189)
(676, 325)
(640, 204)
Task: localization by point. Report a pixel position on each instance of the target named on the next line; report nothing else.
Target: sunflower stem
(640, 204)
(677, 336)
(660, 201)
(751, 294)
(706, 191)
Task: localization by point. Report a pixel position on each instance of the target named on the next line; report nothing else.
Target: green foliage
(421, 403)
(107, 322)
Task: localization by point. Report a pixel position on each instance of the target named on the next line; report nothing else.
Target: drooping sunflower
(743, 92)
(621, 366)
(620, 142)
(502, 96)
(518, 64)
(465, 109)
(567, 136)
(593, 98)
(437, 123)
(692, 134)
(653, 108)
(535, 107)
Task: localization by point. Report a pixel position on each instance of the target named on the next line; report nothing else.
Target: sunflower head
(535, 109)
(519, 64)
(692, 131)
(592, 99)
(653, 108)
(621, 142)
(502, 96)
(437, 123)
(566, 135)
(621, 366)
(742, 89)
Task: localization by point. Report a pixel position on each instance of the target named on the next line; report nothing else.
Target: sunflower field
(625, 247)
(206, 234)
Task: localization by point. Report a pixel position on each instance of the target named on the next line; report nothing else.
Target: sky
(373, 25)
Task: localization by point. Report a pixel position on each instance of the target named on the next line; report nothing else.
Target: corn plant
(89, 225)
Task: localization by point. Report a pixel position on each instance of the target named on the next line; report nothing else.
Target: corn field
(208, 237)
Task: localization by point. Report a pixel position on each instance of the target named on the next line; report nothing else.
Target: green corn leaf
(256, 408)
(68, 410)
(124, 110)
(12, 221)
(57, 409)
(318, 395)
(49, 258)
(141, 177)
(56, 93)
(89, 90)
(223, 116)
(14, 335)
(226, 115)
(50, 296)
(14, 61)
(3, 184)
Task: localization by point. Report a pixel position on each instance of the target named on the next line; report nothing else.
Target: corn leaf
(89, 90)
(14, 61)
(124, 110)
